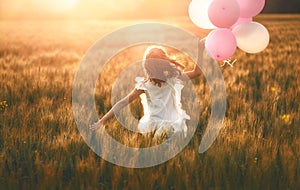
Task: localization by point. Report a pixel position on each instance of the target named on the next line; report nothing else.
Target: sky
(114, 9)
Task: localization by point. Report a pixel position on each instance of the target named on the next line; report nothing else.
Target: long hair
(159, 66)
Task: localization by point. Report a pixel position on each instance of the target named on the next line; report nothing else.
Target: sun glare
(56, 6)
(68, 4)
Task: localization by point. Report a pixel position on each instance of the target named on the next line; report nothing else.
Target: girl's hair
(159, 66)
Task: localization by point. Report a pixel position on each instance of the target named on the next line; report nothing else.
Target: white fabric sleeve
(140, 83)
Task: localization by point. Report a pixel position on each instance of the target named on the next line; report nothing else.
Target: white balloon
(251, 37)
(198, 13)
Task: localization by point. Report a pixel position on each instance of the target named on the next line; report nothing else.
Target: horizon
(174, 18)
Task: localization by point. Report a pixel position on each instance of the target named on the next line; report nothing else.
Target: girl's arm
(192, 74)
(196, 71)
(117, 107)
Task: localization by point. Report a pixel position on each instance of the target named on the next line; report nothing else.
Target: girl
(160, 94)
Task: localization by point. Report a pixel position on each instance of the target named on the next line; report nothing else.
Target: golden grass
(41, 148)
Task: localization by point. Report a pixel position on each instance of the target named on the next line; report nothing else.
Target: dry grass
(40, 147)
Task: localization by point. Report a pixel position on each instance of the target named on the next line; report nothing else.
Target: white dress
(162, 107)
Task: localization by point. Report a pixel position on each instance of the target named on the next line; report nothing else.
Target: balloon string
(228, 62)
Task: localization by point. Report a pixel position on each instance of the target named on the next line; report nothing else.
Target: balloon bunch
(232, 24)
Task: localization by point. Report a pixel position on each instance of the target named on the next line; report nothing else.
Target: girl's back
(162, 107)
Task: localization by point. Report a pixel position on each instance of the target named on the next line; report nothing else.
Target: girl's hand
(96, 125)
(202, 43)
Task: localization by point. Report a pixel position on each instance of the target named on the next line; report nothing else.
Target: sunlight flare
(55, 6)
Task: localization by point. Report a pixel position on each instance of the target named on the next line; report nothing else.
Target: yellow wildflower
(286, 118)
(255, 160)
(3, 105)
(273, 89)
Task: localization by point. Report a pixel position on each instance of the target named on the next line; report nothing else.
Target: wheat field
(40, 146)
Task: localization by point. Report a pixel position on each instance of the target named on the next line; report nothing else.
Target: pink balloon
(221, 44)
(223, 13)
(250, 8)
(241, 21)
